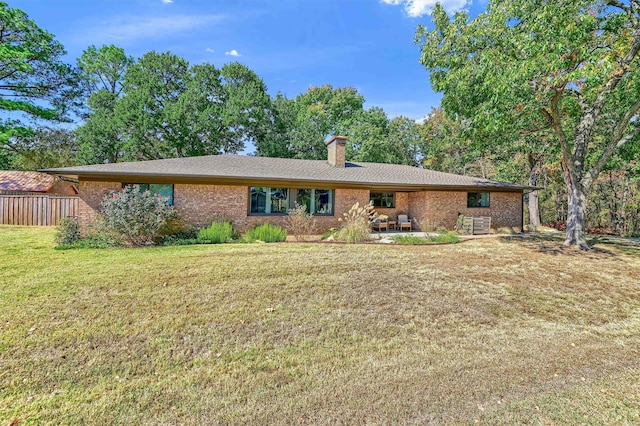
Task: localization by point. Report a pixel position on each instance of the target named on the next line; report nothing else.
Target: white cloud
(167, 1)
(233, 52)
(126, 28)
(416, 8)
(210, 50)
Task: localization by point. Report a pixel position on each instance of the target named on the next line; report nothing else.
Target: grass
(492, 331)
(448, 237)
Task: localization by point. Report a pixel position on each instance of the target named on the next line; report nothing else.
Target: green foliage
(332, 233)
(162, 107)
(36, 84)
(102, 136)
(409, 240)
(45, 148)
(442, 238)
(576, 80)
(218, 232)
(445, 237)
(267, 233)
(300, 223)
(356, 223)
(104, 68)
(67, 232)
(99, 239)
(137, 218)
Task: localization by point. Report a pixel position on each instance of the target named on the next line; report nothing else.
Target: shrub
(446, 237)
(330, 234)
(267, 233)
(218, 232)
(300, 223)
(356, 225)
(137, 218)
(409, 239)
(68, 232)
(95, 240)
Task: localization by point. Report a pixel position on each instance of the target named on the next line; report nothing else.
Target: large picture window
(268, 200)
(383, 199)
(477, 199)
(317, 201)
(163, 189)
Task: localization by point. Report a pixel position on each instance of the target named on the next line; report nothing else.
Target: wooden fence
(476, 225)
(40, 210)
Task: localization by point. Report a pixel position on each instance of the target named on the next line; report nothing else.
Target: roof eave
(272, 181)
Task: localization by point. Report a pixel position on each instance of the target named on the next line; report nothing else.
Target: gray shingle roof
(245, 169)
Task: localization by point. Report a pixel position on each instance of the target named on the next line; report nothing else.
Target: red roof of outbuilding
(11, 180)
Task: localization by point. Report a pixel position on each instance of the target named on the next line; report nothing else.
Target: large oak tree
(524, 66)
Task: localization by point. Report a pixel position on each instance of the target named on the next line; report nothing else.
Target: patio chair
(404, 222)
(381, 223)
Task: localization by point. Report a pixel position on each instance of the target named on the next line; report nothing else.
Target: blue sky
(291, 44)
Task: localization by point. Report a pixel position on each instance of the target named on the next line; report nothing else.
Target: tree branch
(618, 138)
(617, 75)
(553, 115)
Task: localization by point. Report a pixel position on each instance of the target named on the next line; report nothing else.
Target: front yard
(493, 331)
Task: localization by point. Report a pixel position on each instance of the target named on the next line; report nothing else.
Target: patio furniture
(404, 222)
(392, 224)
(380, 223)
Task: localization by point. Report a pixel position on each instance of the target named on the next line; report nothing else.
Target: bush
(300, 223)
(448, 237)
(94, 240)
(218, 232)
(267, 233)
(357, 223)
(409, 239)
(68, 232)
(137, 218)
(330, 234)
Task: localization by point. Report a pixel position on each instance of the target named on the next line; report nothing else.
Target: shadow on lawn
(601, 245)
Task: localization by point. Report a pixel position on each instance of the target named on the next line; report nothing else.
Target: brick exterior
(441, 208)
(199, 205)
(91, 196)
(336, 151)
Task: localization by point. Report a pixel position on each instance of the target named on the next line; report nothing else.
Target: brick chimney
(336, 148)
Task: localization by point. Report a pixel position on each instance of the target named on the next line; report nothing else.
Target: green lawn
(493, 331)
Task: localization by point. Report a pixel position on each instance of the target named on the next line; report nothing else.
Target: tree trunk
(534, 209)
(534, 200)
(576, 218)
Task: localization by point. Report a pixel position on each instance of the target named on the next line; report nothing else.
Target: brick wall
(62, 188)
(441, 208)
(401, 206)
(91, 195)
(417, 208)
(199, 205)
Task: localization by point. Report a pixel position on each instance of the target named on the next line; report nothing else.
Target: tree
(34, 82)
(277, 140)
(522, 66)
(247, 105)
(102, 74)
(323, 111)
(45, 148)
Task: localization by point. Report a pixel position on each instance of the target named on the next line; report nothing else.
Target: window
(162, 189)
(317, 201)
(477, 199)
(264, 200)
(383, 199)
(268, 200)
